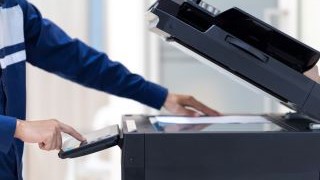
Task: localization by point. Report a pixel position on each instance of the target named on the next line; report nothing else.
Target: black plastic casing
(246, 47)
(151, 155)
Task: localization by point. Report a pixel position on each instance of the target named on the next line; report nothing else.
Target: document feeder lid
(244, 46)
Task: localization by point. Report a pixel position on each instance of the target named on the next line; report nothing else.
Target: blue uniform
(27, 37)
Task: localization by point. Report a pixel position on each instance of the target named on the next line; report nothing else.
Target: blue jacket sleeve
(7, 130)
(50, 48)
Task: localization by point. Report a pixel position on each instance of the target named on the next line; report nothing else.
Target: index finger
(72, 132)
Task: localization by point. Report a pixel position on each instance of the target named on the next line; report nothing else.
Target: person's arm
(50, 48)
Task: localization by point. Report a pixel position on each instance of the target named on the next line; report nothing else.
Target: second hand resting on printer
(313, 74)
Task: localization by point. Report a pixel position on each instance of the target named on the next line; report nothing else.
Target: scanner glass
(227, 126)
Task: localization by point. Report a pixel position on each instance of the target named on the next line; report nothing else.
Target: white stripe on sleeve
(11, 26)
(13, 59)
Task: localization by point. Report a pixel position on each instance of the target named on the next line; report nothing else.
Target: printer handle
(247, 48)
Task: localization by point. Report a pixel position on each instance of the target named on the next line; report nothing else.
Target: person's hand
(187, 106)
(46, 133)
(313, 74)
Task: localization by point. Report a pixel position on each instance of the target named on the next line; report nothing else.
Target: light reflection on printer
(216, 127)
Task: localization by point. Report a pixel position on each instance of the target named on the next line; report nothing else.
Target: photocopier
(272, 146)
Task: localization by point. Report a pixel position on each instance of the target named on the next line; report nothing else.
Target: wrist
(167, 102)
(19, 127)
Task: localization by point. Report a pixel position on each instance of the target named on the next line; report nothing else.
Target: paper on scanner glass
(248, 147)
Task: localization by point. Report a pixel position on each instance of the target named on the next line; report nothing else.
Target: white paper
(211, 120)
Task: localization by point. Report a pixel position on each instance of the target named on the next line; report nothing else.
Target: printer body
(288, 153)
(261, 56)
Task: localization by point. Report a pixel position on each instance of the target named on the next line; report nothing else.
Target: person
(27, 37)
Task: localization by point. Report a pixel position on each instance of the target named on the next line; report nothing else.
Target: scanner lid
(267, 39)
(247, 28)
(271, 61)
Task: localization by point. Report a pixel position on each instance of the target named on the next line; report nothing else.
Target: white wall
(310, 25)
(51, 97)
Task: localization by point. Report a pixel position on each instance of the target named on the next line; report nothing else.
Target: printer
(235, 41)
(263, 147)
